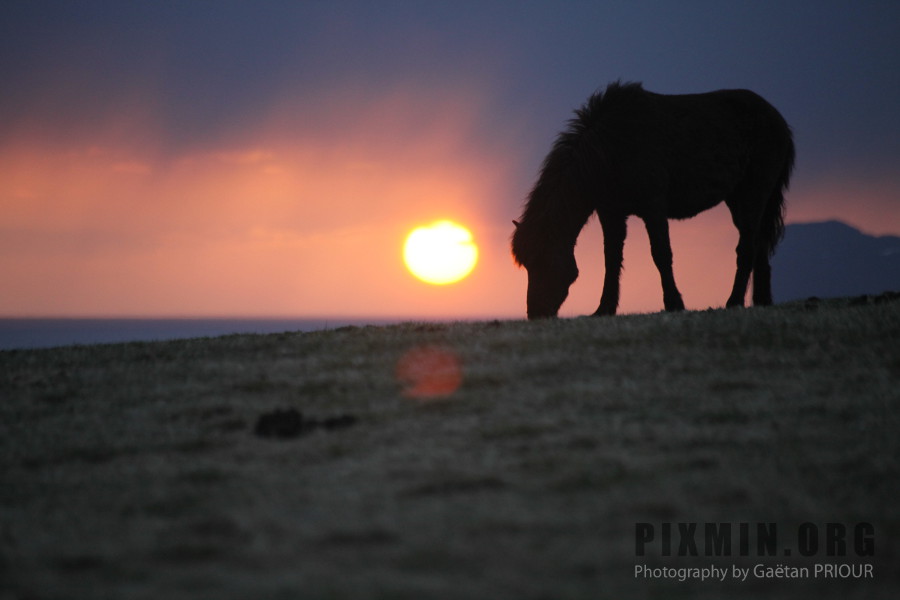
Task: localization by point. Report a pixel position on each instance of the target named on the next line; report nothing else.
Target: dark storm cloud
(204, 66)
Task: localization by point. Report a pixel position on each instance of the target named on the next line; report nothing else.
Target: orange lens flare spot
(427, 372)
(441, 253)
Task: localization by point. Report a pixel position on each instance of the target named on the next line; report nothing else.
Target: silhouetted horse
(632, 152)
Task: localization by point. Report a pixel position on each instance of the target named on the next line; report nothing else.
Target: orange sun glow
(441, 253)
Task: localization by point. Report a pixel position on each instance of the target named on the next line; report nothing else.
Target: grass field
(135, 471)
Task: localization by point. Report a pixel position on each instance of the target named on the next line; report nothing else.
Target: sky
(267, 158)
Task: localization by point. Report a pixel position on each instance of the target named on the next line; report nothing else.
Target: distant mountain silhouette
(832, 259)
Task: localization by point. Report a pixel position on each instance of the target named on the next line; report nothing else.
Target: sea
(26, 333)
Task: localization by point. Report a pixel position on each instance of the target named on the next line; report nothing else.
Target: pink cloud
(284, 220)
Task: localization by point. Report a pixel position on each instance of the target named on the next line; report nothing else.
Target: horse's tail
(772, 227)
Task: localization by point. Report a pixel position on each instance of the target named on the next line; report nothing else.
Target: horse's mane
(562, 198)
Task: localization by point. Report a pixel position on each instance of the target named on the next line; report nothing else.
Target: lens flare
(428, 372)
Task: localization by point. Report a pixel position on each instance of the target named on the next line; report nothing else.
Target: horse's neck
(566, 223)
(564, 207)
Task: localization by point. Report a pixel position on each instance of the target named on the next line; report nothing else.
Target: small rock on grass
(290, 423)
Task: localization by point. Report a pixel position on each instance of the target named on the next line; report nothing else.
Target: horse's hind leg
(762, 278)
(771, 229)
(661, 249)
(745, 252)
(746, 216)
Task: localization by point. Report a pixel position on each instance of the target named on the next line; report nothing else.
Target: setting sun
(440, 253)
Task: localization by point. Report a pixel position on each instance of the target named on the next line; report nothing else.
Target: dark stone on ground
(290, 423)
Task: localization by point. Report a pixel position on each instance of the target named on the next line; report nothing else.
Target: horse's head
(549, 279)
(550, 273)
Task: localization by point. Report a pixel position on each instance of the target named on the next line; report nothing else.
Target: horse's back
(695, 149)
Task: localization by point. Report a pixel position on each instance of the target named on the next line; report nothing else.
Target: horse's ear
(516, 223)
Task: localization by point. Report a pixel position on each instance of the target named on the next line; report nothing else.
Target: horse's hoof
(674, 305)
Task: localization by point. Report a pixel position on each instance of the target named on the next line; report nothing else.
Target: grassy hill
(139, 470)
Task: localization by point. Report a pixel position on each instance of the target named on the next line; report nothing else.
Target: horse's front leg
(661, 249)
(614, 231)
